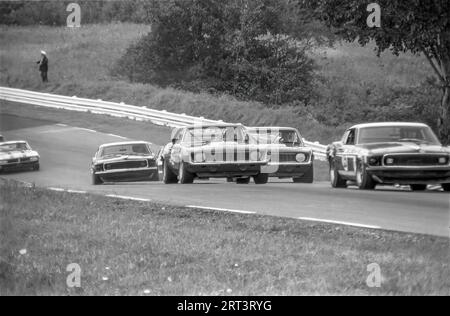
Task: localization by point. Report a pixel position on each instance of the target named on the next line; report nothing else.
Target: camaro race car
(213, 151)
(124, 162)
(18, 155)
(289, 157)
(389, 153)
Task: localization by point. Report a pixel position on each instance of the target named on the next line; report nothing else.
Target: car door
(348, 155)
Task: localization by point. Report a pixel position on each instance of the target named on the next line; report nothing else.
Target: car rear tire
(185, 176)
(363, 179)
(168, 176)
(96, 180)
(243, 181)
(336, 179)
(418, 187)
(261, 178)
(36, 167)
(446, 187)
(308, 177)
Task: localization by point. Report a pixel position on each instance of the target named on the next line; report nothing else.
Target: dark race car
(124, 162)
(289, 157)
(213, 151)
(389, 153)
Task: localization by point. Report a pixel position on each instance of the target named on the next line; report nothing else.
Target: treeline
(251, 49)
(92, 12)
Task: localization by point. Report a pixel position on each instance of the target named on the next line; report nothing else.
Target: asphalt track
(66, 153)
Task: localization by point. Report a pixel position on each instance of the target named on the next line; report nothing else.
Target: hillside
(81, 61)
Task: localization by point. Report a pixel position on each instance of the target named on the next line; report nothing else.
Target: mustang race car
(127, 161)
(289, 157)
(213, 151)
(389, 153)
(18, 155)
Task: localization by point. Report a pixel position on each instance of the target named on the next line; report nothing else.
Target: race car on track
(124, 162)
(213, 151)
(18, 155)
(289, 157)
(389, 153)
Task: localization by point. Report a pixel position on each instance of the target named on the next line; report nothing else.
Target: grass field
(126, 248)
(81, 61)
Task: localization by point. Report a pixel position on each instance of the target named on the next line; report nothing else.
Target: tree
(416, 26)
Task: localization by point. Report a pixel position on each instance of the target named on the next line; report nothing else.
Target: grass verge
(126, 247)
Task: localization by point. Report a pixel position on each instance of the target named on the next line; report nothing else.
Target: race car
(124, 162)
(289, 157)
(389, 153)
(213, 151)
(18, 155)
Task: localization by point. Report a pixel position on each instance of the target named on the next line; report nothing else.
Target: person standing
(43, 66)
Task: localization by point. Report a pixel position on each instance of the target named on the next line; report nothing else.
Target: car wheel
(363, 179)
(185, 176)
(96, 180)
(336, 179)
(261, 178)
(446, 187)
(168, 176)
(308, 177)
(418, 187)
(243, 181)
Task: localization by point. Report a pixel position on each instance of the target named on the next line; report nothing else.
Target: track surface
(66, 153)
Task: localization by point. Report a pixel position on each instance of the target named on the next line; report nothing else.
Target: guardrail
(116, 109)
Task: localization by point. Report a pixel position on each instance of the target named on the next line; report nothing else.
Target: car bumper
(19, 166)
(288, 170)
(220, 170)
(426, 175)
(140, 174)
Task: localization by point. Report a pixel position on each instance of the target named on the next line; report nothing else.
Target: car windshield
(207, 135)
(392, 134)
(125, 150)
(284, 137)
(14, 147)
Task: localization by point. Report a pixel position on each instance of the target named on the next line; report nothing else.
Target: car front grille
(134, 164)
(13, 160)
(414, 160)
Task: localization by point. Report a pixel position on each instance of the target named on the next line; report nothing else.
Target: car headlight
(390, 161)
(200, 157)
(34, 159)
(254, 156)
(443, 160)
(3, 162)
(300, 157)
(374, 161)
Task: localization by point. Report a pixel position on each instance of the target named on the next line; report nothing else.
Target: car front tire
(36, 167)
(335, 178)
(261, 178)
(168, 176)
(364, 180)
(418, 187)
(96, 180)
(185, 176)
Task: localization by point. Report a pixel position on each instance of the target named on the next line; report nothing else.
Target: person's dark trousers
(44, 76)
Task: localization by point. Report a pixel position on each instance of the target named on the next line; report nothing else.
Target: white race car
(18, 155)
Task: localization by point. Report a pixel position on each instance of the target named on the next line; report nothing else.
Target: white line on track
(338, 222)
(117, 136)
(76, 192)
(56, 189)
(219, 209)
(61, 125)
(127, 198)
(87, 130)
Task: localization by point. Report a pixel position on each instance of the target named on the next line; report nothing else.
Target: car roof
(273, 128)
(209, 125)
(125, 143)
(388, 124)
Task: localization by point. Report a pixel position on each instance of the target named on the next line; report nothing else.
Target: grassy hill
(81, 61)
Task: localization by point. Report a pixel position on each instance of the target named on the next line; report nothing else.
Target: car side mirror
(174, 141)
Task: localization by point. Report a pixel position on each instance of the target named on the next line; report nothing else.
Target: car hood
(403, 148)
(123, 158)
(285, 149)
(18, 154)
